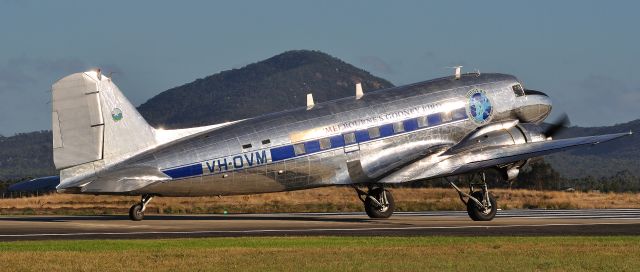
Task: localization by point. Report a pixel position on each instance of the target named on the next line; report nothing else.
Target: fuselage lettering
(237, 162)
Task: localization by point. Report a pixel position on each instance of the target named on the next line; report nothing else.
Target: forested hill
(627, 148)
(278, 83)
(602, 160)
(26, 155)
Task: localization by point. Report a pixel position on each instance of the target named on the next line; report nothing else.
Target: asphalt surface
(509, 223)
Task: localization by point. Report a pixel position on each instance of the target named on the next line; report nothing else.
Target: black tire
(476, 213)
(135, 212)
(373, 211)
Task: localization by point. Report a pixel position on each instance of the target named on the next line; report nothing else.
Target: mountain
(26, 155)
(278, 83)
(602, 160)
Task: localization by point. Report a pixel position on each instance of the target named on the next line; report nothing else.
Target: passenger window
(446, 116)
(374, 132)
(398, 127)
(518, 90)
(266, 142)
(325, 143)
(298, 149)
(246, 146)
(422, 121)
(459, 114)
(349, 138)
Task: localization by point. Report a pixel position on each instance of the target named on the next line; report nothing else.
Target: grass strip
(610, 253)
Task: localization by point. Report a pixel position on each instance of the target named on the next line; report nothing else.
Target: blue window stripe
(185, 171)
(459, 114)
(282, 153)
(286, 152)
(337, 141)
(312, 146)
(362, 136)
(386, 130)
(434, 119)
(410, 125)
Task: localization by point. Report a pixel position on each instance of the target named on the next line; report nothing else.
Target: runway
(510, 223)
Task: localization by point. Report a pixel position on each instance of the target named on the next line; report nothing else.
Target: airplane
(440, 128)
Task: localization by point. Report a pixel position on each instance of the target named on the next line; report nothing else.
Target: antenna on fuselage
(458, 71)
(359, 93)
(310, 103)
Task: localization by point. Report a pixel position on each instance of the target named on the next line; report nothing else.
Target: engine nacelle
(501, 134)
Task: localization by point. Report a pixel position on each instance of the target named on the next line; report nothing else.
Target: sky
(584, 54)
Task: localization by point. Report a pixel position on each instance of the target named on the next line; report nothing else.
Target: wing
(476, 159)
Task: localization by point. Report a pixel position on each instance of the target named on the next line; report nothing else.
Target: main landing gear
(481, 205)
(136, 212)
(378, 202)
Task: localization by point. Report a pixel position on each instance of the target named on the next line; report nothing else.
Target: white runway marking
(415, 221)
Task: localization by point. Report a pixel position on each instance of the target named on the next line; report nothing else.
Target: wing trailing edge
(446, 165)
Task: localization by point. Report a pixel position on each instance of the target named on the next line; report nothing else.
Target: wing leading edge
(468, 161)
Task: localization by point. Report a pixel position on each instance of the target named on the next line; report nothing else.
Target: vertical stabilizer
(92, 120)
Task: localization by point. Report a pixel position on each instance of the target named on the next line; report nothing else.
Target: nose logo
(116, 114)
(479, 108)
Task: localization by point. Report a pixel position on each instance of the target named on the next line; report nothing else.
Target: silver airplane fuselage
(345, 141)
(438, 128)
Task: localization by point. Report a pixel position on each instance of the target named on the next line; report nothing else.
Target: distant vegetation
(602, 160)
(26, 155)
(282, 82)
(328, 199)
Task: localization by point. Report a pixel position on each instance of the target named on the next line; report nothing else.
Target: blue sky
(584, 54)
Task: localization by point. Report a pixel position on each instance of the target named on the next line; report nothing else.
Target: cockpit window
(518, 90)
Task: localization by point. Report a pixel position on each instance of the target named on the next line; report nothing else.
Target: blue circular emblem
(116, 114)
(479, 109)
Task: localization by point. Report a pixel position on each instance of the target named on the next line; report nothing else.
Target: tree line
(540, 175)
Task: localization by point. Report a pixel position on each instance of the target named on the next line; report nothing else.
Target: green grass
(615, 253)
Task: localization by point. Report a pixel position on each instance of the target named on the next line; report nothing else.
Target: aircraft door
(352, 151)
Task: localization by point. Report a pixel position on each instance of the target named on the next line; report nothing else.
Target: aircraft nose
(536, 108)
(533, 92)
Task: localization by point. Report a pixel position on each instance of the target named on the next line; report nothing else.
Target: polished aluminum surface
(239, 158)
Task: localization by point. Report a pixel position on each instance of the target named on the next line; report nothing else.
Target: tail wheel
(478, 213)
(379, 203)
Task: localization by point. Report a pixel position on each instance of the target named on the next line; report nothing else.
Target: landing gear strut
(481, 206)
(136, 212)
(378, 202)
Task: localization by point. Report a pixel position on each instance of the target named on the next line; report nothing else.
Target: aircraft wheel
(136, 213)
(383, 205)
(481, 214)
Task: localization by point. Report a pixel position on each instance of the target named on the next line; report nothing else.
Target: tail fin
(92, 121)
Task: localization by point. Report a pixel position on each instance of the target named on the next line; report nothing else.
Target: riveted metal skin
(387, 136)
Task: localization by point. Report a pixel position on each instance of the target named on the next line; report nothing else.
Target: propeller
(557, 125)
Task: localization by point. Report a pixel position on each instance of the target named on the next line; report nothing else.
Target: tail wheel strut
(136, 212)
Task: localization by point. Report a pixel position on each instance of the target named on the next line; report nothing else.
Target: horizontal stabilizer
(37, 185)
